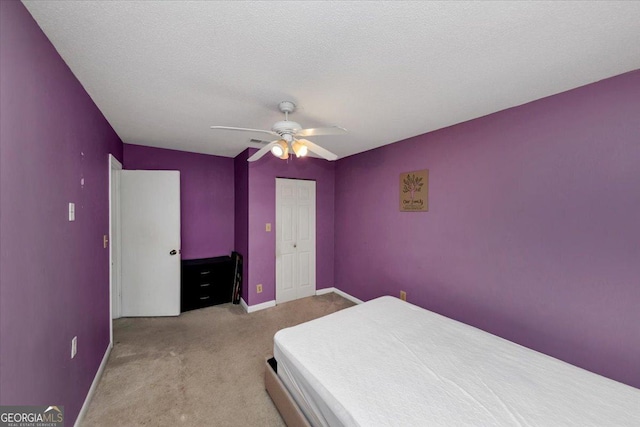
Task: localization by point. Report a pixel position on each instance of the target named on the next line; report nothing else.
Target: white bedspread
(390, 363)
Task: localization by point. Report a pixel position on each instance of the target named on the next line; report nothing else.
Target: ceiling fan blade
(257, 143)
(332, 130)
(261, 152)
(322, 152)
(270, 132)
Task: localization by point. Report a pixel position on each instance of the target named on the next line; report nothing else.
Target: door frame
(115, 277)
(314, 232)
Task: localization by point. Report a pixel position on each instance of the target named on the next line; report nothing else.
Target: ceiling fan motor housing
(286, 127)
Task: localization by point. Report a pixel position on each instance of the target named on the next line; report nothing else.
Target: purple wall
(262, 209)
(533, 229)
(241, 226)
(54, 275)
(206, 196)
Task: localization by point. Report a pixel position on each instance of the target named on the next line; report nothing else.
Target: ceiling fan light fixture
(300, 149)
(281, 149)
(285, 154)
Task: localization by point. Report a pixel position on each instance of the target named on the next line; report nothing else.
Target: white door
(114, 236)
(150, 227)
(295, 239)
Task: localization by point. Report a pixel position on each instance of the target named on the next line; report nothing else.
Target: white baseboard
(341, 293)
(94, 385)
(257, 307)
(272, 303)
(347, 296)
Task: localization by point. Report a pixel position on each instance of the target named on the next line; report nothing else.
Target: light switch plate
(268, 227)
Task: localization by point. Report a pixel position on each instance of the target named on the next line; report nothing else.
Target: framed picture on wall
(414, 191)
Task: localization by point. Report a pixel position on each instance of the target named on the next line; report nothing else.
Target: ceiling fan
(289, 134)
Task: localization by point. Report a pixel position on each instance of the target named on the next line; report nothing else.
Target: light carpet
(203, 368)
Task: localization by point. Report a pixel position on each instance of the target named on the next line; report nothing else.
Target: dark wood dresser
(205, 282)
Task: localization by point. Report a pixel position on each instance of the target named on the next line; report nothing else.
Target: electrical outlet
(403, 295)
(259, 288)
(74, 347)
(72, 211)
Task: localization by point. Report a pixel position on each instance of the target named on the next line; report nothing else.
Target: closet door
(295, 239)
(150, 226)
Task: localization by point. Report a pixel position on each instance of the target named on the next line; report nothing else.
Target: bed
(388, 362)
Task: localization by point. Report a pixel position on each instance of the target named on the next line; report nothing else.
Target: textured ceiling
(163, 72)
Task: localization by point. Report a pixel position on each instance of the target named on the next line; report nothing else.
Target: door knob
(173, 252)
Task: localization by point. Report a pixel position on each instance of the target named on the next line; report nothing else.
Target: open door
(150, 227)
(115, 281)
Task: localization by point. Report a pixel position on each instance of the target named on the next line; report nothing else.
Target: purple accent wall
(533, 229)
(54, 274)
(241, 235)
(206, 196)
(262, 210)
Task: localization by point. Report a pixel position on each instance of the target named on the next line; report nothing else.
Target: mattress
(388, 362)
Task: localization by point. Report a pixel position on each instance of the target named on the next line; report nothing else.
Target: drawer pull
(202, 273)
(204, 297)
(203, 285)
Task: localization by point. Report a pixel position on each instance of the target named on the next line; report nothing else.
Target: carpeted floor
(203, 368)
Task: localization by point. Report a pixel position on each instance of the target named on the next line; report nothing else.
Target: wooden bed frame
(288, 408)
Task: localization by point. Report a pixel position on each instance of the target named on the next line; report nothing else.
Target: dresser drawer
(207, 277)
